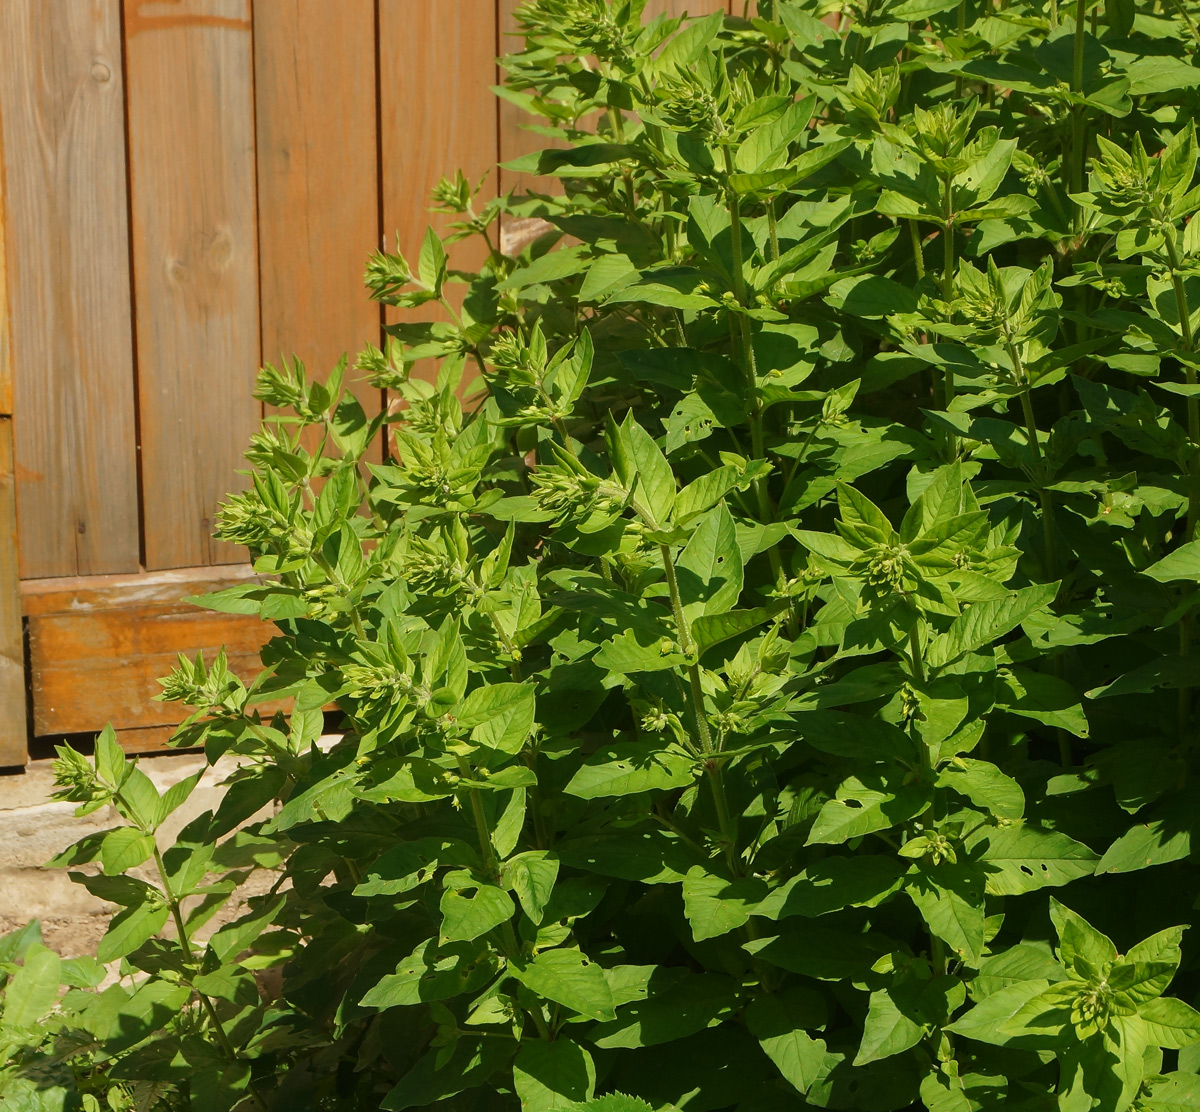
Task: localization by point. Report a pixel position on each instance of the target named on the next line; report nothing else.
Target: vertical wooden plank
(437, 111)
(191, 149)
(61, 107)
(13, 728)
(318, 199)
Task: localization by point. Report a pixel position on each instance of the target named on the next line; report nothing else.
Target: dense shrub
(777, 676)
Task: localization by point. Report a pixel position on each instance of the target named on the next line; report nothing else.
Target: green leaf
(1182, 564)
(1158, 840)
(715, 905)
(712, 629)
(852, 735)
(1043, 698)
(862, 808)
(950, 900)
(499, 715)
(1174, 1093)
(693, 1004)
(637, 459)
(31, 991)
(130, 927)
(469, 912)
(986, 622)
(630, 767)
(781, 1022)
(125, 848)
(550, 267)
(1170, 1023)
(984, 785)
(567, 977)
(1021, 857)
(709, 569)
(887, 1030)
(1081, 947)
(553, 1076)
(1016, 1016)
(430, 973)
(834, 884)
(531, 875)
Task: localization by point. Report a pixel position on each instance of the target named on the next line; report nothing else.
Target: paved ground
(33, 828)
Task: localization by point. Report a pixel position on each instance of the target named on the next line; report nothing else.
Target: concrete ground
(33, 828)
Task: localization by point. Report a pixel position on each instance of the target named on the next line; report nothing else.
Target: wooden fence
(190, 187)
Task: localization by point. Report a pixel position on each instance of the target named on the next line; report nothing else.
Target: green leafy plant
(775, 579)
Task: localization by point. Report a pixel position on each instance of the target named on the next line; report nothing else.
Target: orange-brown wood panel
(438, 114)
(318, 199)
(98, 646)
(67, 243)
(193, 200)
(13, 727)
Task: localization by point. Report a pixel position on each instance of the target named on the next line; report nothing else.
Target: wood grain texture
(76, 594)
(191, 154)
(437, 111)
(13, 727)
(61, 107)
(98, 646)
(318, 201)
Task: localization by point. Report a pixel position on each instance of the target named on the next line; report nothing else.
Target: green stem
(914, 653)
(918, 254)
(1032, 434)
(962, 30)
(716, 782)
(748, 363)
(186, 945)
(1193, 418)
(772, 229)
(1078, 113)
(948, 270)
(1181, 8)
(703, 738)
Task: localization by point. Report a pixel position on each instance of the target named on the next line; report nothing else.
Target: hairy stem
(918, 254)
(749, 369)
(703, 736)
(186, 945)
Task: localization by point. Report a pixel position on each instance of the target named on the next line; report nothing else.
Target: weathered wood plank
(88, 593)
(191, 140)
(437, 111)
(318, 200)
(102, 666)
(62, 109)
(13, 727)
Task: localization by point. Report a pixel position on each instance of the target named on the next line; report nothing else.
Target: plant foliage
(763, 633)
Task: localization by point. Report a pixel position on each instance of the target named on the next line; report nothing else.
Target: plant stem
(1181, 8)
(914, 653)
(948, 273)
(772, 229)
(703, 738)
(1078, 112)
(918, 254)
(186, 946)
(748, 363)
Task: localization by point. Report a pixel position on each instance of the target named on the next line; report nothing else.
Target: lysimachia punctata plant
(761, 628)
